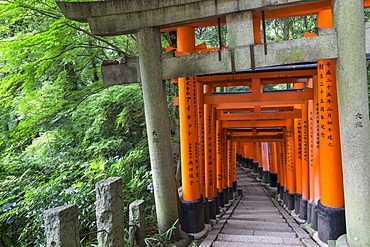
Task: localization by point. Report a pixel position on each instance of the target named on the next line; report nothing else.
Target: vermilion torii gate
(306, 177)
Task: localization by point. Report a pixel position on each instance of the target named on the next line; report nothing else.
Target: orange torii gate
(233, 107)
(223, 67)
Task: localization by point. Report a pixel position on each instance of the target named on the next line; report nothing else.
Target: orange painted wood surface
(290, 166)
(331, 176)
(273, 158)
(191, 171)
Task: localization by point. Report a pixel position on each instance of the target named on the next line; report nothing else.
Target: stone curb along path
(256, 220)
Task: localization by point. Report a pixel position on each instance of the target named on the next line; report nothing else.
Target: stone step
(255, 205)
(259, 212)
(259, 239)
(246, 200)
(242, 244)
(241, 231)
(256, 209)
(272, 218)
(255, 221)
(261, 226)
(267, 213)
(257, 198)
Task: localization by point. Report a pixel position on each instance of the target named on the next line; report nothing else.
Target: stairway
(256, 220)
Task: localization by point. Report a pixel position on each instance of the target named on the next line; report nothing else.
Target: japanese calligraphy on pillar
(322, 100)
(195, 122)
(311, 133)
(298, 124)
(272, 150)
(219, 163)
(229, 160)
(200, 117)
(358, 120)
(155, 138)
(224, 156)
(327, 103)
(290, 150)
(191, 132)
(233, 162)
(283, 153)
(305, 142)
(317, 126)
(209, 145)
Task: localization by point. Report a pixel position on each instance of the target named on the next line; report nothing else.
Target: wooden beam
(254, 124)
(249, 131)
(299, 97)
(258, 140)
(247, 138)
(276, 75)
(251, 109)
(259, 116)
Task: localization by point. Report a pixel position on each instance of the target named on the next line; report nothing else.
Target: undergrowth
(26, 193)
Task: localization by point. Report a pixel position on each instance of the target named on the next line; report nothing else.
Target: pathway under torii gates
(311, 142)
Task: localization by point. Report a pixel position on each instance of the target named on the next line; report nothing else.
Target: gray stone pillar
(137, 222)
(348, 19)
(109, 212)
(240, 33)
(157, 124)
(62, 227)
(240, 29)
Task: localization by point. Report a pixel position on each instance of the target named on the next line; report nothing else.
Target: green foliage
(210, 36)
(24, 197)
(163, 239)
(289, 28)
(61, 130)
(48, 66)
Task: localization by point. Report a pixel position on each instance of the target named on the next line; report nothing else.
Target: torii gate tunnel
(310, 143)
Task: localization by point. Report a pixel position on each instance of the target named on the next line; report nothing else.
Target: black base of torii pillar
(192, 215)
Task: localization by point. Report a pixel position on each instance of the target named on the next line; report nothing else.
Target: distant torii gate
(346, 44)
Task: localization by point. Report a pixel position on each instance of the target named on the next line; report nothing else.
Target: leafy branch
(57, 17)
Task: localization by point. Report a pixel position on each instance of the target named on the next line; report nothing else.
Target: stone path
(256, 220)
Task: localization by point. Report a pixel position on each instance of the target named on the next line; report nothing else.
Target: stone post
(62, 227)
(109, 212)
(137, 222)
(157, 124)
(240, 29)
(240, 33)
(348, 18)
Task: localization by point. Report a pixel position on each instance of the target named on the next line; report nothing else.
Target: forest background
(61, 130)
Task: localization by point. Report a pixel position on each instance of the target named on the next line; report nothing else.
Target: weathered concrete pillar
(109, 212)
(239, 33)
(240, 29)
(157, 124)
(348, 18)
(137, 222)
(62, 227)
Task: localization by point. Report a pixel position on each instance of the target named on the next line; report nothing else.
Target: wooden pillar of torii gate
(331, 217)
(192, 209)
